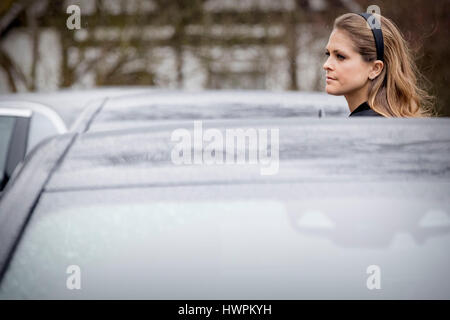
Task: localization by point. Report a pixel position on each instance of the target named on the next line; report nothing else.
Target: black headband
(377, 34)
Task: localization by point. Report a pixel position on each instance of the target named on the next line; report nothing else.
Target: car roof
(156, 106)
(312, 149)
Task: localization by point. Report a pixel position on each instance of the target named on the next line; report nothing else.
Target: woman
(373, 68)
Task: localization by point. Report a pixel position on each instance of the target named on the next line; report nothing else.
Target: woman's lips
(329, 79)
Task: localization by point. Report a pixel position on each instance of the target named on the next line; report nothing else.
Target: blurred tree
(198, 27)
(12, 12)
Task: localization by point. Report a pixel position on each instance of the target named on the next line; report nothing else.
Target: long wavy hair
(396, 91)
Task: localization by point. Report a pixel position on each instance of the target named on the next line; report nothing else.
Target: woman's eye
(327, 53)
(340, 57)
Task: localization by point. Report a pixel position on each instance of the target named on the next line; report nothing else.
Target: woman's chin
(331, 91)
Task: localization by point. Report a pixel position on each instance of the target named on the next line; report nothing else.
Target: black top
(364, 111)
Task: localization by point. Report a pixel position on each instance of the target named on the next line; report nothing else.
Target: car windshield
(250, 241)
(6, 128)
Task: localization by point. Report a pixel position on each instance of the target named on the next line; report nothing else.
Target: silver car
(351, 208)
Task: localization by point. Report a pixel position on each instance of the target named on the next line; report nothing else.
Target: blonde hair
(395, 92)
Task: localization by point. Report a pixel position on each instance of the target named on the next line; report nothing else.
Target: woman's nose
(327, 65)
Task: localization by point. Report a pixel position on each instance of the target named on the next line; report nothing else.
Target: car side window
(6, 129)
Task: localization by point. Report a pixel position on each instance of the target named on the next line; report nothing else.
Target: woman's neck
(355, 99)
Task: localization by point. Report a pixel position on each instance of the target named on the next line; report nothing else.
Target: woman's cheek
(341, 83)
(333, 88)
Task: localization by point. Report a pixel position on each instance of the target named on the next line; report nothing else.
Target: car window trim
(24, 113)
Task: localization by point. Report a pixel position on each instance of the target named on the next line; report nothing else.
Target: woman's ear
(377, 67)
